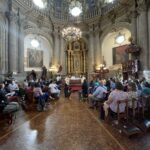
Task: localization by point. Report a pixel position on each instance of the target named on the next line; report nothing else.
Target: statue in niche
(76, 64)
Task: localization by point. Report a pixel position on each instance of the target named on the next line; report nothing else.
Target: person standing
(44, 73)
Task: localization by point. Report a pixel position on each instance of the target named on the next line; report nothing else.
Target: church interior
(74, 74)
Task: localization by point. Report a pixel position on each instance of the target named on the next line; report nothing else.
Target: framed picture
(119, 55)
(35, 58)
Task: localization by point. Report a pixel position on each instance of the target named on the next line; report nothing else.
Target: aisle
(69, 125)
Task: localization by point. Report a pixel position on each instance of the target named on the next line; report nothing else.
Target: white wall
(109, 43)
(44, 46)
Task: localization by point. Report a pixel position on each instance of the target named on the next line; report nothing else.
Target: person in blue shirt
(98, 95)
(146, 89)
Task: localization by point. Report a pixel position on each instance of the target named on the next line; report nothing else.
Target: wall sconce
(40, 3)
(53, 69)
(35, 43)
(120, 38)
(109, 1)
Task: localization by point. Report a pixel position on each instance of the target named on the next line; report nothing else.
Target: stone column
(21, 48)
(12, 43)
(91, 52)
(63, 56)
(149, 31)
(134, 15)
(97, 49)
(56, 48)
(143, 36)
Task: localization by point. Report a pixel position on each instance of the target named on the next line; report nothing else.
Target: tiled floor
(68, 125)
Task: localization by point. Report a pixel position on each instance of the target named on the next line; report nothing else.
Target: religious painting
(35, 58)
(119, 55)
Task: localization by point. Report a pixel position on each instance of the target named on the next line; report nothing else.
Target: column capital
(12, 17)
(142, 6)
(134, 13)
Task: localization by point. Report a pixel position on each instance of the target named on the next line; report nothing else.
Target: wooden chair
(142, 122)
(30, 102)
(126, 127)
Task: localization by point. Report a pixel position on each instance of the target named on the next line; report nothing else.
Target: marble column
(143, 37)
(12, 43)
(21, 48)
(91, 53)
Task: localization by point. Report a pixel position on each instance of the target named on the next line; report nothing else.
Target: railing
(97, 12)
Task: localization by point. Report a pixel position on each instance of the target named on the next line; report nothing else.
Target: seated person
(98, 95)
(3, 98)
(55, 92)
(67, 90)
(146, 89)
(146, 93)
(40, 96)
(13, 87)
(132, 94)
(4, 102)
(114, 97)
(91, 86)
(84, 92)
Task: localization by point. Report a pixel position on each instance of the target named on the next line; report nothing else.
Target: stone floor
(68, 125)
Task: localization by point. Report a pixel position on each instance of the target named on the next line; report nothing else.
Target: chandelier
(71, 33)
(75, 8)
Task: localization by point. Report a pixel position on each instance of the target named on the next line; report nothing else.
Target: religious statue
(32, 76)
(59, 69)
(44, 73)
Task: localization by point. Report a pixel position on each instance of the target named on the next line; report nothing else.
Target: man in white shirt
(13, 86)
(55, 92)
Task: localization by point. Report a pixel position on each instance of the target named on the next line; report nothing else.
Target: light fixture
(40, 3)
(75, 8)
(35, 43)
(109, 1)
(71, 33)
(120, 38)
(53, 69)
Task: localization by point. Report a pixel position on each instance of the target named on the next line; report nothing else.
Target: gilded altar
(76, 55)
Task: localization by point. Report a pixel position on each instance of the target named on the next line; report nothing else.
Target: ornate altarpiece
(76, 55)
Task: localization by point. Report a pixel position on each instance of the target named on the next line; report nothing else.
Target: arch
(108, 44)
(39, 32)
(45, 48)
(109, 29)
